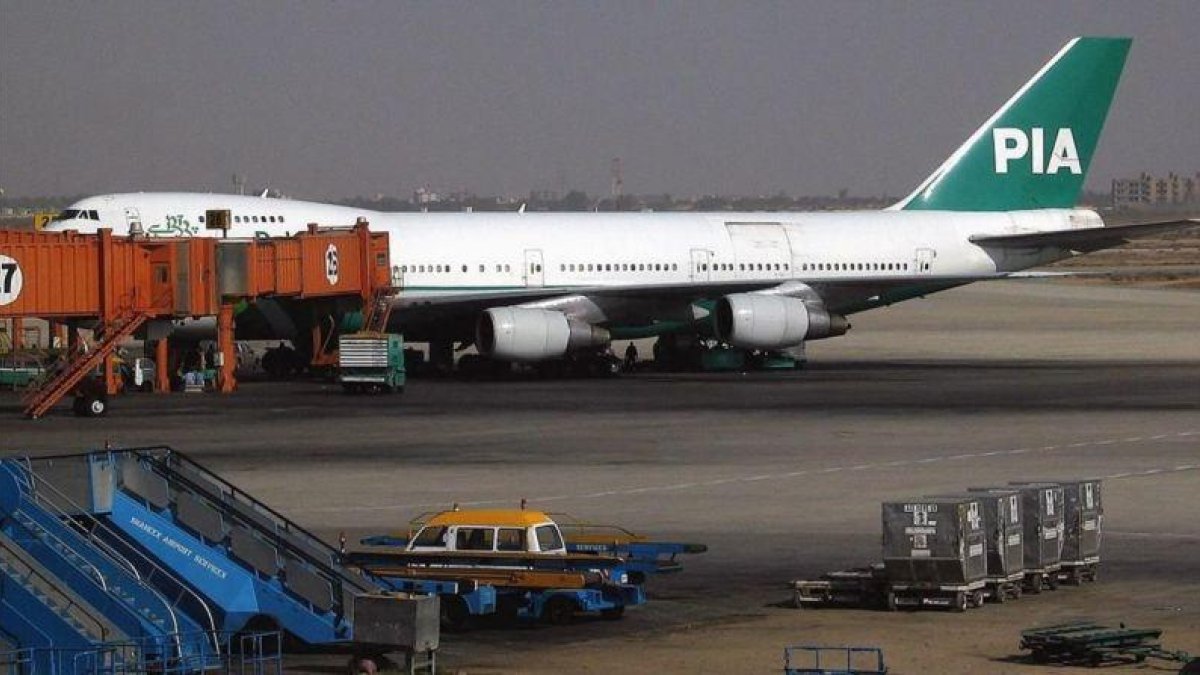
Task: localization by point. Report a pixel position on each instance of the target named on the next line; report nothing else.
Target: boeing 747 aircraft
(537, 286)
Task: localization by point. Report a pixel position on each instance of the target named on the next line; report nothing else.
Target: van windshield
(548, 538)
(431, 536)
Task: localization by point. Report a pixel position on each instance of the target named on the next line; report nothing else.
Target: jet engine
(757, 321)
(526, 334)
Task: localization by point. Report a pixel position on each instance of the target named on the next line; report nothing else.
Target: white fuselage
(440, 254)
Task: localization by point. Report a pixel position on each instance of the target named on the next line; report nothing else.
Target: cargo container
(1003, 536)
(1043, 511)
(934, 552)
(1083, 515)
(371, 362)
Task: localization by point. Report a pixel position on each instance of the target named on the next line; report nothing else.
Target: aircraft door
(534, 268)
(701, 264)
(923, 261)
(133, 221)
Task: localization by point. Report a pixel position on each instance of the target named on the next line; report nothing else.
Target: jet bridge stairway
(116, 616)
(253, 564)
(72, 371)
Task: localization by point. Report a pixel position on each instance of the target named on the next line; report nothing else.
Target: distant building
(1147, 190)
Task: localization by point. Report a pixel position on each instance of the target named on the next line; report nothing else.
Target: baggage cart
(1043, 533)
(858, 587)
(1004, 522)
(934, 553)
(1092, 644)
(810, 660)
(1083, 516)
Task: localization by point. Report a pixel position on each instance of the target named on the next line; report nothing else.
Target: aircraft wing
(454, 314)
(1085, 240)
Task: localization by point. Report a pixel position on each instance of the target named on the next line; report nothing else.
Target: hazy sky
(331, 99)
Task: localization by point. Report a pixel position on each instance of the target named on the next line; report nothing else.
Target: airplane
(539, 286)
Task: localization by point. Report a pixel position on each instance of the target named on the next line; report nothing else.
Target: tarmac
(781, 474)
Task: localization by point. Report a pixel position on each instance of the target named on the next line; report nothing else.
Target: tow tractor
(516, 562)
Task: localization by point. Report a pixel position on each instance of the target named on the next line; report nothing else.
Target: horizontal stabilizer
(1086, 240)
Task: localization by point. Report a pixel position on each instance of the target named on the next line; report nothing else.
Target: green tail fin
(1034, 152)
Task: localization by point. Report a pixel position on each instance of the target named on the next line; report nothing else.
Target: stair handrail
(124, 324)
(95, 570)
(42, 482)
(29, 571)
(58, 512)
(289, 526)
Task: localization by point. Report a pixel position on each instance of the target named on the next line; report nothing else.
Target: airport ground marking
(618, 492)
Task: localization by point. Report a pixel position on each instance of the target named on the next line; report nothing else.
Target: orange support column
(18, 334)
(162, 367)
(58, 335)
(226, 382)
(112, 376)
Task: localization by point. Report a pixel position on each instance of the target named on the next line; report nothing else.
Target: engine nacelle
(525, 334)
(757, 321)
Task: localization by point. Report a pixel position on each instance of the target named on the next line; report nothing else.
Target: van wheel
(559, 611)
(455, 615)
(612, 614)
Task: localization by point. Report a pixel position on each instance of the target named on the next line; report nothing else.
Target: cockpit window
(68, 214)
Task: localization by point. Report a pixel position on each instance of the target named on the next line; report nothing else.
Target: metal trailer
(809, 660)
(1043, 511)
(1083, 515)
(934, 552)
(1092, 644)
(858, 587)
(547, 588)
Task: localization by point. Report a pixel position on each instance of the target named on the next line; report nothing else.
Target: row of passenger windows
(254, 219)
(619, 267)
(445, 269)
(673, 267)
(852, 267)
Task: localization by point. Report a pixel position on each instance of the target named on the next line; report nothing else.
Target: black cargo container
(1083, 515)
(934, 550)
(1004, 537)
(1043, 512)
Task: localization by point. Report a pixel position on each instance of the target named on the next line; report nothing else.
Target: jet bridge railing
(98, 534)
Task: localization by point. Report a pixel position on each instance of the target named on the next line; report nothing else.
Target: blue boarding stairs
(71, 603)
(255, 568)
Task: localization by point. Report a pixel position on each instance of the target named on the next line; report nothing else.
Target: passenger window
(482, 269)
(674, 267)
(548, 538)
(431, 536)
(474, 539)
(510, 539)
(507, 268)
(281, 219)
(589, 267)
